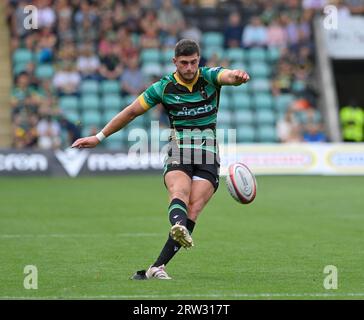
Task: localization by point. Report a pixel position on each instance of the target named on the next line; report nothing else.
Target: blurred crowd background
(89, 59)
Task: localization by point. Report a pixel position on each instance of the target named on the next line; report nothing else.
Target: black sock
(171, 247)
(177, 212)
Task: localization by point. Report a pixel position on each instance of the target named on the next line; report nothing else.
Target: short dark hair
(186, 47)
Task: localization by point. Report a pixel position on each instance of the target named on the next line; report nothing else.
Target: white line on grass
(217, 295)
(77, 235)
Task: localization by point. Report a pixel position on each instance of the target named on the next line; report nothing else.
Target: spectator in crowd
(67, 79)
(46, 14)
(65, 31)
(111, 67)
(288, 129)
(276, 34)
(46, 45)
(23, 96)
(88, 62)
(191, 32)
(255, 34)
(170, 18)
(49, 132)
(72, 130)
(313, 133)
(233, 31)
(132, 80)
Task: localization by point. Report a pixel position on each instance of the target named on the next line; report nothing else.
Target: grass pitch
(87, 236)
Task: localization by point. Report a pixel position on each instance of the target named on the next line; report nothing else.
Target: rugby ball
(241, 183)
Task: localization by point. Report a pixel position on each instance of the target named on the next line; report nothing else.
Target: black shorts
(195, 163)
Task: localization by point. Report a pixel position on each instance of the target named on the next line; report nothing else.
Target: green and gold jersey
(191, 108)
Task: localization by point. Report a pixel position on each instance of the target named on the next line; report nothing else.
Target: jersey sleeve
(212, 74)
(151, 96)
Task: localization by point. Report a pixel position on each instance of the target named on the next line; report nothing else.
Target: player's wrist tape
(100, 136)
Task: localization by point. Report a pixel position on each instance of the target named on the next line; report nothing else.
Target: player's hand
(88, 142)
(240, 76)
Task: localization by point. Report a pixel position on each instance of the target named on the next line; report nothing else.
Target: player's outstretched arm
(118, 122)
(233, 77)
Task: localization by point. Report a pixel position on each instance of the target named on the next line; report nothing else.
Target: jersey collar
(189, 86)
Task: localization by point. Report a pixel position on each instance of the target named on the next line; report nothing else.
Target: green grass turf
(87, 236)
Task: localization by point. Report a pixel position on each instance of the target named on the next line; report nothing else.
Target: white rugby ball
(241, 183)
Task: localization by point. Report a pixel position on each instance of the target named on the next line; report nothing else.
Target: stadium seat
(19, 67)
(225, 117)
(282, 102)
(266, 133)
(110, 87)
(260, 85)
(112, 102)
(90, 102)
(241, 101)
(89, 86)
(169, 68)
(129, 99)
(273, 54)
(72, 116)
(235, 55)
(259, 70)
(150, 56)
(263, 101)
(91, 118)
(44, 71)
(107, 116)
(256, 54)
(167, 56)
(245, 133)
(243, 117)
(212, 39)
(239, 65)
(22, 56)
(210, 51)
(265, 116)
(67, 103)
(151, 69)
(224, 102)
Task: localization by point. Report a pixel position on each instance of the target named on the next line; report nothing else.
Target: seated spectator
(49, 132)
(288, 129)
(64, 30)
(132, 80)
(277, 36)
(72, 131)
(233, 31)
(170, 18)
(86, 32)
(108, 44)
(191, 32)
(46, 14)
(88, 63)
(111, 67)
(86, 11)
(150, 22)
(150, 39)
(255, 34)
(46, 46)
(67, 79)
(22, 94)
(313, 133)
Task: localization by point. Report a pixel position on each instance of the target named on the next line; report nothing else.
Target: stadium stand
(89, 59)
